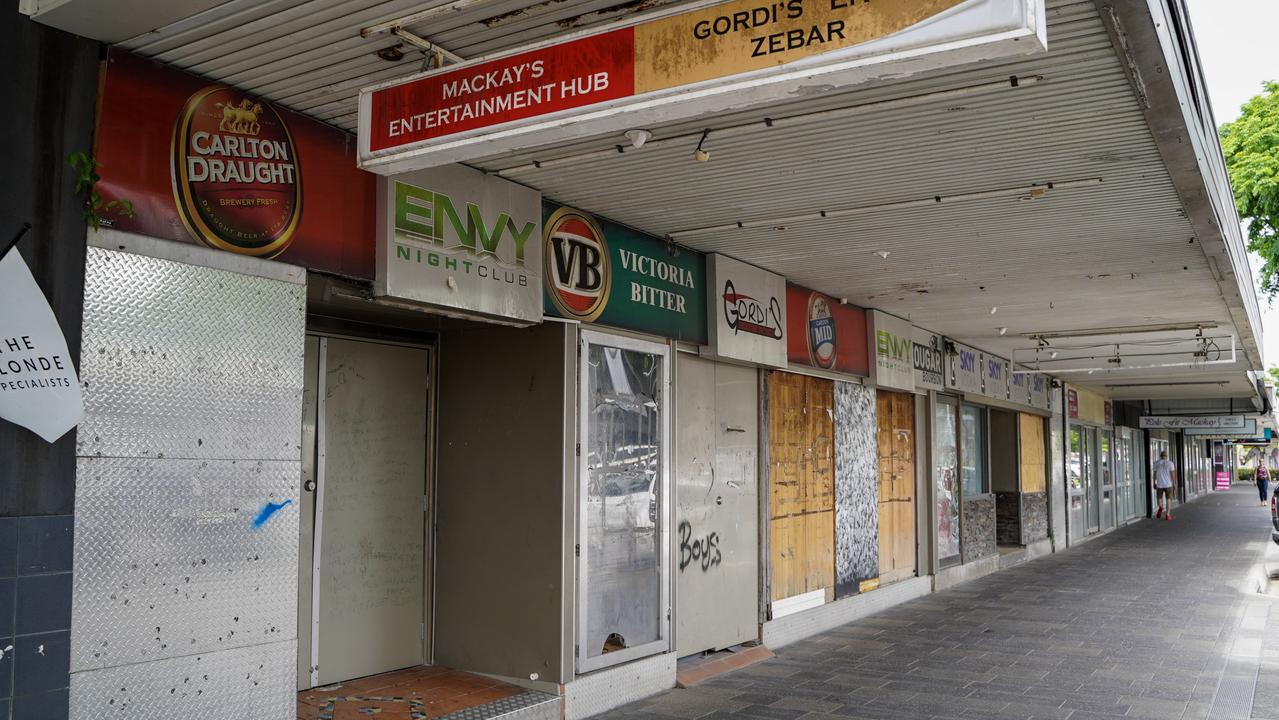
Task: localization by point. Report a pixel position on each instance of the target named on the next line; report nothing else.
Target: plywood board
(1033, 472)
(802, 483)
(895, 432)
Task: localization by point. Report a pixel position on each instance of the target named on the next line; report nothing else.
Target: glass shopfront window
(946, 479)
(973, 447)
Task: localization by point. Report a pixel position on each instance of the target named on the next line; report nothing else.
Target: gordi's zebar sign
(733, 54)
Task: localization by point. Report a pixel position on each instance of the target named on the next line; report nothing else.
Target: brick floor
(1138, 623)
(402, 695)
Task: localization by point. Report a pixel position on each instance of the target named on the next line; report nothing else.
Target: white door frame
(662, 529)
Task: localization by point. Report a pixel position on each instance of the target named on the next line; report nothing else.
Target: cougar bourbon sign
(213, 165)
(235, 173)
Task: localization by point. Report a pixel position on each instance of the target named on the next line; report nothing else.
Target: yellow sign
(746, 35)
(866, 586)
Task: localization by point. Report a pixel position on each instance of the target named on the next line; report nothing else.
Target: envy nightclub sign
(457, 238)
(730, 49)
(893, 340)
(601, 272)
(748, 306)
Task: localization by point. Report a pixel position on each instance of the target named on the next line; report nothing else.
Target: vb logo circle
(578, 270)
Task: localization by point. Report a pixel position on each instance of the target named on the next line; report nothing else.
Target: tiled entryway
(412, 694)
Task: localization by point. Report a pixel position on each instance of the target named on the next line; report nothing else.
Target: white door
(369, 564)
(717, 505)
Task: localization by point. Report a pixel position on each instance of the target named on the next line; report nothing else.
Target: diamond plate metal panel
(167, 562)
(189, 362)
(602, 691)
(250, 683)
(528, 705)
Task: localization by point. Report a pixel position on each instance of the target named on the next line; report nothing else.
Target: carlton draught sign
(217, 166)
(235, 172)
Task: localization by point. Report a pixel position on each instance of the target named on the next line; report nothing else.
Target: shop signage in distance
(734, 52)
(996, 378)
(456, 238)
(38, 385)
(215, 166)
(1182, 422)
(1039, 397)
(1247, 430)
(602, 272)
(929, 362)
(1072, 403)
(748, 309)
(823, 333)
(1110, 413)
(966, 370)
(892, 340)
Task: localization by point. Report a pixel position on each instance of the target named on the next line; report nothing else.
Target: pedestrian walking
(1164, 471)
(1263, 481)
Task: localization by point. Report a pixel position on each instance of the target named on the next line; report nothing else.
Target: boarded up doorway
(895, 433)
(801, 458)
(362, 581)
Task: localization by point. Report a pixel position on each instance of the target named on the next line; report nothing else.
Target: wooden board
(895, 433)
(802, 483)
(1032, 454)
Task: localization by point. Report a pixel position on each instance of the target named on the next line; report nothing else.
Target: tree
(1251, 147)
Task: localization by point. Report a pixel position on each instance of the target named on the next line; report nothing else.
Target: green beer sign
(601, 272)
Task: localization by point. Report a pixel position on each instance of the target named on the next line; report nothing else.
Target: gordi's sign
(823, 333)
(748, 312)
(457, 238)
(601, 272)
(212, 165)
(734, 54)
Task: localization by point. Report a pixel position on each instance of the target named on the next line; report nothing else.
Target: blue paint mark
(268, 511)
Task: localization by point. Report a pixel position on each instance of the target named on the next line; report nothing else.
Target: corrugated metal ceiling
(1119, 253)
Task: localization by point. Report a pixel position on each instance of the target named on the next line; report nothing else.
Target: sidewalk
(1155, 620)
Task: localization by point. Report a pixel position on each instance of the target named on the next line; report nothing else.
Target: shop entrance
(624, 586)
(801, 461)
(716, 505)
(946, 480)
(895, 413)
(1105, 464)
(1085, 500)
(362, 551)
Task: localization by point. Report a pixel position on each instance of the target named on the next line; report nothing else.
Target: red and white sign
(560, 77)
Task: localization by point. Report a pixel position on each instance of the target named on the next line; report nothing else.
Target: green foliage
(96, 211)
(1272, 375)
(1251, 147)
(1246, 475)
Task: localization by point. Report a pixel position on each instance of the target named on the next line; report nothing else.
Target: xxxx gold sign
(236, 178)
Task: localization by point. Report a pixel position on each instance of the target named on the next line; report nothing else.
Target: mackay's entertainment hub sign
(676, 65)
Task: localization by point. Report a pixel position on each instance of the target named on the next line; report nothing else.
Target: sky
(1236, 41)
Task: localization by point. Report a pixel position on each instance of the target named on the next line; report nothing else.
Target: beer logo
(235, 173)
(577, 265)
(746, 314)
(821, 332)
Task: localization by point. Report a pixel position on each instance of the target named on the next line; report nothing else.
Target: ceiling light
(699, 154)
(392, 53)
(1003, 332)
(638, 137)
(883, 254)
(994, 310)
(1053, 354)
